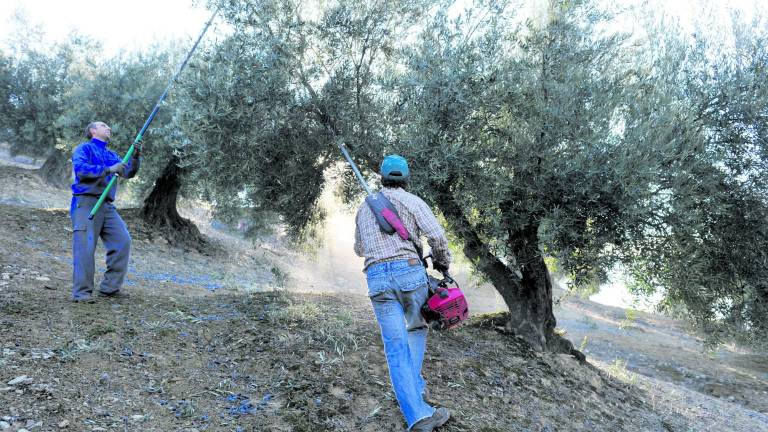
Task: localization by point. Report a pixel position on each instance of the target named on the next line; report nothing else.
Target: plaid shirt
(377, 246)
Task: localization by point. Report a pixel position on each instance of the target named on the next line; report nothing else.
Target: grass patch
(589, 322)
(618, 370)
(101, 329)
(629, 319)
(74, 348)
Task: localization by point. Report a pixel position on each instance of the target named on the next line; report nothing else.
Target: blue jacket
(90, 162)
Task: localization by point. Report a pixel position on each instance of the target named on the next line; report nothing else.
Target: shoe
(428, 424)
(117, 295)
(88, 300)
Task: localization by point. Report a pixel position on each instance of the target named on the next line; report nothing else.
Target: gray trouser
(108, 225)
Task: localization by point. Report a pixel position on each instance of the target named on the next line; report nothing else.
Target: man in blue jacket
(94, 164)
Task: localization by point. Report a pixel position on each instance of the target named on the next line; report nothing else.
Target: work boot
(88, 300)
(117, 295)
(429, 424)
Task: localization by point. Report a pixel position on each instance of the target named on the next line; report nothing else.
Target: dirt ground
(225, 342)
(665, 349)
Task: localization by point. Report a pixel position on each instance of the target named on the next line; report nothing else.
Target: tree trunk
(531, 312)
(57, 169)
(527, 293)
(159, 209)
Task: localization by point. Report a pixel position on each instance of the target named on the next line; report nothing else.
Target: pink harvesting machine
(447, 306)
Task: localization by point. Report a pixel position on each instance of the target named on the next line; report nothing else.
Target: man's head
(394, 171)
(98, 130)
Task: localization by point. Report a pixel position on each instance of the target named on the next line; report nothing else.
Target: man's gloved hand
(442, 268)
(118, 168)
(137, 148)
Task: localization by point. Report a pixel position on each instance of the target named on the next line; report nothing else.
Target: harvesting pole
(151, 117)
(352, 164)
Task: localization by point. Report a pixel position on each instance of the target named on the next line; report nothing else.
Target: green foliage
(250, 144)
(618, 370)
(583, 344)
(609, 155)
(555, 136)
(264, 109)
(35, 79)
(630, 315)
(50, 93)
(121, 91)
(704, 239)
(516, 123)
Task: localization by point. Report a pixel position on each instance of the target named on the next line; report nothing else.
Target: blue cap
(394, 167)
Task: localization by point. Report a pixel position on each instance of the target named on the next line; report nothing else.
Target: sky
(129, 25)
(136, 24)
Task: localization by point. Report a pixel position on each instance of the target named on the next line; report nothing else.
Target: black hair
(390, 183)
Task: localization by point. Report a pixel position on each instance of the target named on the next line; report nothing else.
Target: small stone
(22, 430)
(41, 353)
(4, 425)
(43, 388)
(64, 423)
(22, 379)
(137, 417)
(31, 424)
(5, 389)
(42, 278)
(104, 378)
(6, 276)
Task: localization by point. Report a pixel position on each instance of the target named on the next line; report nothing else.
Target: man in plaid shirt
(398, 287)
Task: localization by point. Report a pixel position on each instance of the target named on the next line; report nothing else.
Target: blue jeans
(397, 292)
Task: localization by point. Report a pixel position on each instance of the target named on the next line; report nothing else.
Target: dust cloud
(334, 267)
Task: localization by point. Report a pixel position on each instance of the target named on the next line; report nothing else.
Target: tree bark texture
(57, 169)
(159, 209)
(527, 294)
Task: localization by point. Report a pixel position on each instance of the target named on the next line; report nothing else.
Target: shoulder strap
(389, 221)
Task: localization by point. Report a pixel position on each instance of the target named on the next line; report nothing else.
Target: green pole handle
(113, 181)
(151, 117)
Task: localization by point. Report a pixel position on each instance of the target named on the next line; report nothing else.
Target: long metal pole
(151, 117)
(351, 162)
(360, 178)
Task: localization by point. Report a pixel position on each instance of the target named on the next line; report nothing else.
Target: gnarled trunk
(527, 293)
(57, 169)
(159, 209)
(531, 311)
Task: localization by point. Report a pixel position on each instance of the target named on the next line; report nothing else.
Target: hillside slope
(191, 350)
(231, 340)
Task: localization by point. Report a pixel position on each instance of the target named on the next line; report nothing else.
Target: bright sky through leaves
(128, 25)
(133, 25)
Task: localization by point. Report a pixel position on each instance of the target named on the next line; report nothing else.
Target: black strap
(419, 251)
